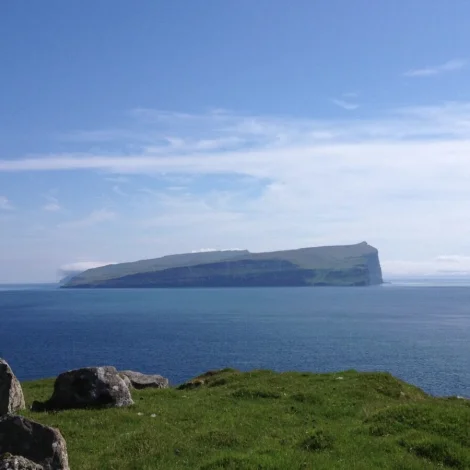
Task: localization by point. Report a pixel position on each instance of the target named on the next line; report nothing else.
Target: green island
(346, 265)
(266, 420)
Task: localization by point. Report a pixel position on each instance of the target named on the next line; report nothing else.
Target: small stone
(153, 415)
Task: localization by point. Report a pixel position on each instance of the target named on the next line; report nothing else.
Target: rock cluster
(28, 445)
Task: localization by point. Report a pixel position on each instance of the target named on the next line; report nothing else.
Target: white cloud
(454, 259)
(209, 250)
(117, 190)
(399, 180)
(5, 204)
(52, 204)
(449, 66)
(94, 218)
(51, 207)
(188, 211)
(345, 101)
(442, 265)
(348, 105)
(262, 137)
(81, 266)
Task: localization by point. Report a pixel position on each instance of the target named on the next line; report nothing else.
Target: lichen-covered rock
(40, 444)
(86, 388)
(139, 380)
(16, 462)
(11, 394)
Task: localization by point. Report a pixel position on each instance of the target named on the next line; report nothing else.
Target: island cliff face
(347, 265)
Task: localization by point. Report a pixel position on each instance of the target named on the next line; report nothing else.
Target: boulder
(87, 388)
(40, 444)
(15, 462)
(11, 393)
(139, 380)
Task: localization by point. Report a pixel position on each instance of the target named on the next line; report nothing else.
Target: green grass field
(264, 420)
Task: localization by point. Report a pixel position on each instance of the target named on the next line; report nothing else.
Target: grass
(264, 420)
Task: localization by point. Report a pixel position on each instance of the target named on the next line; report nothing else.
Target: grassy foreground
(265, 420)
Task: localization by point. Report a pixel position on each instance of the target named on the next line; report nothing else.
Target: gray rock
(126, 380)
(40, 444)
(139, 380)
(86, 388)
(15, 462)
(11, 393)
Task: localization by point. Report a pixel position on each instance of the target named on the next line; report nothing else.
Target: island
(344, 265)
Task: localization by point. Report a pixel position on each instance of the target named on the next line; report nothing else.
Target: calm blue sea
(418, 332)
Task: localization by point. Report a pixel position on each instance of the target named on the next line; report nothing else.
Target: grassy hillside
(264, 420)
(334, 265)
(113, 271)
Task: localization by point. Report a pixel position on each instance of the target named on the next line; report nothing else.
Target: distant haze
(76, 268)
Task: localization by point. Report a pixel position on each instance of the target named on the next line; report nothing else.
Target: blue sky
(130, 130)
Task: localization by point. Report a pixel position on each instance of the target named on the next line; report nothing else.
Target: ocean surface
(418, 331)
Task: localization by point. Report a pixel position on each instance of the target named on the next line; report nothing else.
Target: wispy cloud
(393, 179)
(51, 207)
(81, 266)
(449, 66)
(117, 179)
(94, 218)
(52, 204)
(348, 105)
(347, 101)
(209, 250)
(456, 265)
(117, 190)
(269, 140)
(5, 204)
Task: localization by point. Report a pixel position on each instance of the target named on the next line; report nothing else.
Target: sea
(418, 330)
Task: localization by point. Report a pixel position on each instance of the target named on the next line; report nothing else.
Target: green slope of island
(265, 420)
(347, 265)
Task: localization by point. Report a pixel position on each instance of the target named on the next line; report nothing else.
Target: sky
(131, 130)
